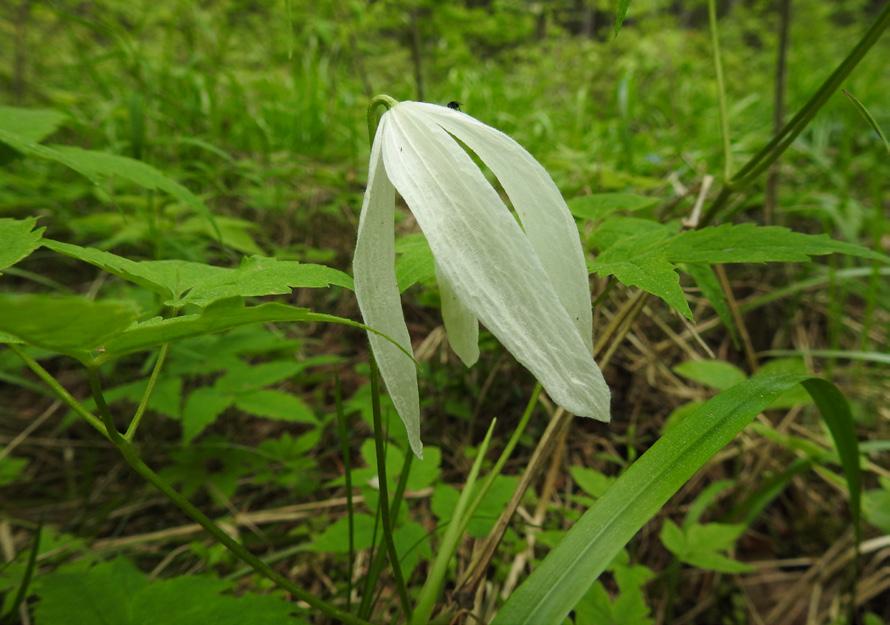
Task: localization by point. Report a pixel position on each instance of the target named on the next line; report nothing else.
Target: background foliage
(204, 162)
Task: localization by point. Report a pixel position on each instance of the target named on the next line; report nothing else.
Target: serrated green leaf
(622, 229)
(65, 324)
(32, 125)
(258, 275)
(181, 282)
(601, 205)
(750, 243)
(202, 408)
(116, 592)
(565, 575)
(651, 274)
(717, 374)
(276, 405)
(18, 238)
(219, 316)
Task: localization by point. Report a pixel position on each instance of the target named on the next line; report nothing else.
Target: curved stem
(377, 102)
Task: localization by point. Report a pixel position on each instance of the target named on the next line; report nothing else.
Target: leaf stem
(149, 389)
(383, 504)
(60, 391)
(131, 456)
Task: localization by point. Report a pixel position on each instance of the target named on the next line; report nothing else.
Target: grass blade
(560, 581)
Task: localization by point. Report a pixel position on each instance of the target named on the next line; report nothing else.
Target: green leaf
(18, 238)
(32, 125)
(643, 253)
(653, 275)
(116, 592)
(276, 405)
(717, 374)
(244, 377)
(414, 262)
(202, 408)
(564, 576)
(219, 316)
(876, 506)
(412, 545)
(258, 275)
(181, 282)
(591, 481)
(98, 166)
(601, 205)
(10, 468)
(65, 324)
(699, 544)
(750, 243)
(868, 117)
(335, 537)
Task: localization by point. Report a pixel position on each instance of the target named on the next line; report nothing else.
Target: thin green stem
(384, 492)
(60, 391)
(378, 101)
(429, 594)
(505, 455)
(342, 424)
(721, 89)
(131, 456)
(770, 152)
(149, 389)
(101, 404)
(377, 565)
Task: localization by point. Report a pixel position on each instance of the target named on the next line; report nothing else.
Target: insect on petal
(377, 293)
(546, 218)
(488, 260)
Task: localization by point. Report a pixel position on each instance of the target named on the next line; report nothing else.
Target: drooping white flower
(526, 283)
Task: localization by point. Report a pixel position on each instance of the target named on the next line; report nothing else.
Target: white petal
(378, 293)
(547, 221)
(489, 262)
(461, 326)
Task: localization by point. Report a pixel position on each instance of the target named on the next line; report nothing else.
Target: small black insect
(454, 105)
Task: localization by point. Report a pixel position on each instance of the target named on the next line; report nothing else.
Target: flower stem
(377, 101)
(383, 504)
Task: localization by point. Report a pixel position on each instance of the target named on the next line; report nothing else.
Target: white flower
(527, 284)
